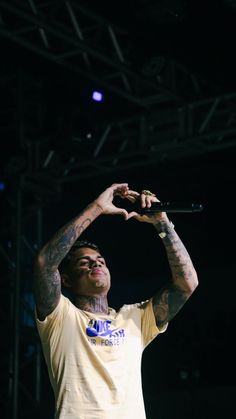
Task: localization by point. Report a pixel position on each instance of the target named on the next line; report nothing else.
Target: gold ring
(147, 192)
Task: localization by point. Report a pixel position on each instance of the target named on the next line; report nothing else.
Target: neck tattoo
(92, 304)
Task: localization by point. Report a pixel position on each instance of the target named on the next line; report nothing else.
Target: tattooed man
(93, 353)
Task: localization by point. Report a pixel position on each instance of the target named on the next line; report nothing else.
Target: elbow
(40, 260)
(43, 261)
(193, 283)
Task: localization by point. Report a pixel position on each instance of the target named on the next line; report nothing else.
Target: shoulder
(62, 308)
(135, 306)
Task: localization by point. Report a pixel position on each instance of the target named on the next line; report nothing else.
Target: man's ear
(65, 280)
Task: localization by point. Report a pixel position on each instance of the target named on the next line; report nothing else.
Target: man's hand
(105, 202)
(146, 202)
(105, 199)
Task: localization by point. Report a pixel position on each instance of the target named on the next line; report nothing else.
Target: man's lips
(97, 272)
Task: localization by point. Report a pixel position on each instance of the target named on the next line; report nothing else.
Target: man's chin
(100, 284)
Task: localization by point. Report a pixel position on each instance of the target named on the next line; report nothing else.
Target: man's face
(87, 274)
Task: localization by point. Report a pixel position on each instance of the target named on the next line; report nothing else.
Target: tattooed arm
(169, 300)
(47, 281)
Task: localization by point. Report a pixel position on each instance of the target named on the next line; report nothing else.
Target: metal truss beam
(23, 362)
(25, 348)
(162, 136)
(21, 236)
(166, 133)
(76, 38)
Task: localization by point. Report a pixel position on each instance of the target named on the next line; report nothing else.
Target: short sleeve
(148, 323)
(54, 319)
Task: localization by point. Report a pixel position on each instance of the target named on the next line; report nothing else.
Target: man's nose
(96, 263)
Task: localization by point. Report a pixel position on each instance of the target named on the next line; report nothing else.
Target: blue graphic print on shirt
(103, 328)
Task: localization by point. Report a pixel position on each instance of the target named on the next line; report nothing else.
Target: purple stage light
(2, 186)
(97, 96)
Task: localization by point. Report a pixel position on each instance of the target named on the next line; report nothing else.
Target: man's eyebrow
(88, 257)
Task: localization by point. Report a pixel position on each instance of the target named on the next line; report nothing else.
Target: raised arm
(47, 281)
(171, 298)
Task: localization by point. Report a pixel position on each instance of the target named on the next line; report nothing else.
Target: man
(93, 353)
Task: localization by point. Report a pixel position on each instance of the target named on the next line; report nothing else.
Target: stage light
(97, 96)
(2, 186)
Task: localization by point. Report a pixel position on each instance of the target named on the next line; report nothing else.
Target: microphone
(170, 207)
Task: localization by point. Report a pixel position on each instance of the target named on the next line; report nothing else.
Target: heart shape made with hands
(140, 202)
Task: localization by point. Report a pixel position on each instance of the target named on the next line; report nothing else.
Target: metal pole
(38, 346)
(16, 307)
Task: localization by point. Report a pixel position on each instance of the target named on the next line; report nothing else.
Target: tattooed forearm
(62, 241)
(183, 272)
(170, 299)
(47, 281)
(57, 248)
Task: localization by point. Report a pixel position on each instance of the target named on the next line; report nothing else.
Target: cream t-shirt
(94, 360)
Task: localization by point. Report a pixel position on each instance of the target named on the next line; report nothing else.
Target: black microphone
(170, 207)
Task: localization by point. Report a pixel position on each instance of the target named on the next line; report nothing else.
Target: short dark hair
(77, 245)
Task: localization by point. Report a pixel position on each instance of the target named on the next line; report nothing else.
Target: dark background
(44, 106)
